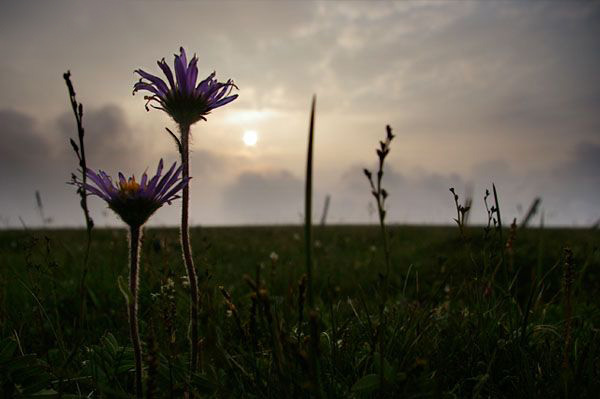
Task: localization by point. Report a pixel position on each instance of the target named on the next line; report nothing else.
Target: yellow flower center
(129, 187)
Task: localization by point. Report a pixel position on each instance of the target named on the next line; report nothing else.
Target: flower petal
(192, 75)
(183, 55)
(170, 182)
(180, 72)
(167, 71)
(146, 86)
(158, 82)
(171, 194)
(93, 190)
(161, 184)
(224, 101)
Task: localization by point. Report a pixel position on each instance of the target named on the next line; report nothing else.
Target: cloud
(585, 161)
(108, 136)
(28, 162)
(264, 197)
(24, 149)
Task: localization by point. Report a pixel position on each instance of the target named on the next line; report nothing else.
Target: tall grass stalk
(308, 208)
(314, 333)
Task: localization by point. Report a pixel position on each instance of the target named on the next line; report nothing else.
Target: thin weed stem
(89, 223)
(380, 195)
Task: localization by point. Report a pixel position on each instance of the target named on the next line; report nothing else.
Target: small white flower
(170, 283)
(274, 257)
(184, 281)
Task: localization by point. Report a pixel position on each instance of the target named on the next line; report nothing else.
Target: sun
(250, 138)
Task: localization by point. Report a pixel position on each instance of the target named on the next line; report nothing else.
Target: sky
(476, 93)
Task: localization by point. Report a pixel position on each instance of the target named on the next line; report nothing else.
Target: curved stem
(135, 237)
(187, 250)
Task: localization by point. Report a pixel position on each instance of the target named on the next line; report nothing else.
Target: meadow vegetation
(451, 329)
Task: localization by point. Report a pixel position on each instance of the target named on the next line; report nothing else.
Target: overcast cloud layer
(477, 92)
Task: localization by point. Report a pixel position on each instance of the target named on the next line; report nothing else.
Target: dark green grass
(451, 330)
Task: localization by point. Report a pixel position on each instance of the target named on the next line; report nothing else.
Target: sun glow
(250, 138)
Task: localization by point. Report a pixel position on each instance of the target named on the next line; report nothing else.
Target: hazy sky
(476, 92)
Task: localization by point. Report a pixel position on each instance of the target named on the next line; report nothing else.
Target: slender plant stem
(312, 313)
(135, 237)
(187, 250)
(89, 223)
(308, 210)
(382, 324)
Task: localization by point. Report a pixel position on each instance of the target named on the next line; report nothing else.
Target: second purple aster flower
(183, 98)
(135, 202)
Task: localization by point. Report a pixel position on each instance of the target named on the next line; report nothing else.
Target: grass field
(464, 318)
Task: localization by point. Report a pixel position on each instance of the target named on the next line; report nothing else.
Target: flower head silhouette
(184, 100)
(135, 202)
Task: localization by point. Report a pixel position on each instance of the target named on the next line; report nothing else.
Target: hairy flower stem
(135, 238)
(187, 250)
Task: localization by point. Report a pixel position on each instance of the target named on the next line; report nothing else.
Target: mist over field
(476, 92)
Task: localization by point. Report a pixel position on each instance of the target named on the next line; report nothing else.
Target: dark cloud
(108, 135)
(23, 147)
(585, 162)
(28, 162)
(267, 197)
(39, 157)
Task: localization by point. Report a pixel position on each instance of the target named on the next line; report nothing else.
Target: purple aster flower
(184, 100)
(135, 202)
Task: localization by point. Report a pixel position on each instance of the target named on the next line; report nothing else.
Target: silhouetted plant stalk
(308, 244)
(510, 244)
(40, 207)
(380, 195)
(494, 223)
(89, 223)
(490, 215)
(461, 214)
(232, 309)
(301, 301)
(568, 278)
